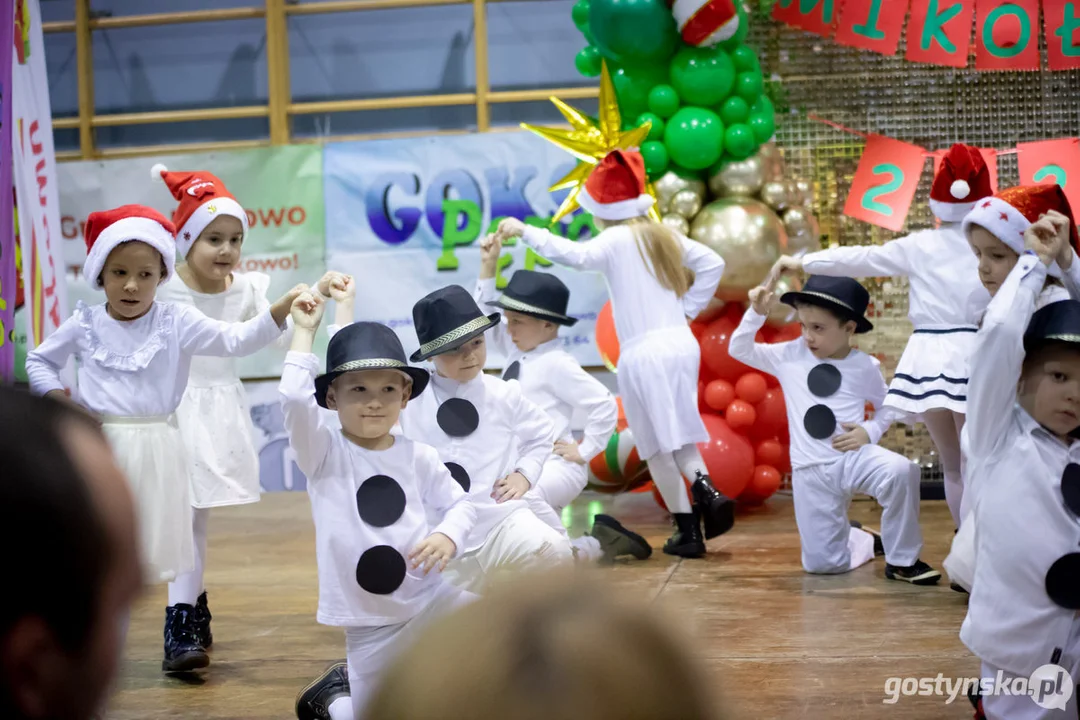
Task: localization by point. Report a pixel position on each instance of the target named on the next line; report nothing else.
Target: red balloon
(771, 381)
(771, 415)
(766, 480)
(698, 328)
(607, 342)
(769, 452)
(620, 424)
(751, 387)
(734, 311)
(740, 414)
(714, 350)
(728, 456)
(719, 394)
(784, 465)
(791, 331)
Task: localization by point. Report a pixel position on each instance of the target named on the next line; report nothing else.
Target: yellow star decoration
(590, 142)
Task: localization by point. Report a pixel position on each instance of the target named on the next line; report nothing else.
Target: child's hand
(281, 309)
(434, 551)
(490, 248)
(62, 396)
(343, 288)
(569, 451)
(762, 299)
(1063, 226)
(855, 437)
(328, 281)
(510, 487)
(785, 264)
(307, 310)
(1043, 238)
(508, 228)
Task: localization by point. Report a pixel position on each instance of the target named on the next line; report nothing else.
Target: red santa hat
(616, 187)
(1010, 212)
(202, 198)
(108, 229)
(961, 181)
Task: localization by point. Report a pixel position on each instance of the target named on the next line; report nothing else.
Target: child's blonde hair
(545, 648)
(662, 251)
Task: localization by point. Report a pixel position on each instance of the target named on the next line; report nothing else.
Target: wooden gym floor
(779, 643)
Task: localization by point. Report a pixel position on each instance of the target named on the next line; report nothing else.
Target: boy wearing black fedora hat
(1022, 423)
(834, 455)
(387, 511)
(534, 306)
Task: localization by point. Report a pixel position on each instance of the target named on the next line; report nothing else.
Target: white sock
(669, 481)
(689, 460)
(188, 586)
(587, 547)
(341, 709)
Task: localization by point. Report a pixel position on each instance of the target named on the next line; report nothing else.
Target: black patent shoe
(183, 653)
(202, 620)
(717, 510)
(687, 541)
(314, 701)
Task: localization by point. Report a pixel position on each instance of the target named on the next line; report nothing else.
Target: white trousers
(559, 485)
(522, 541)
(822, 494)
(369, 650)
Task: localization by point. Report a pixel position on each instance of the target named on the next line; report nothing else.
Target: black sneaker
(201, 620)
(314, 701)
(879, 547)
(615, 540)
(183, 653)
(918, 574)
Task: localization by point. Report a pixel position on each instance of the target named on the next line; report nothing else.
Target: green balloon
(588, 61)
(656, 129)
(641, 31)
(734, 110)
(702, 76)
(632, 86)
(663, 100)
(739, 141)
(656, 158)
(763, 125)
(694, 138)
(580, 14)
(744, 57)
(749, 86)
(763, 106)
(740, 35)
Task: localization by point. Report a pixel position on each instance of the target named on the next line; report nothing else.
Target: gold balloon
(686, 203)
(741, 178)
(748, 235)
(772, 162)
(775, 194)
(806, 192)
(802, 230)
(676, 222)
(784, 314)
(669, 184)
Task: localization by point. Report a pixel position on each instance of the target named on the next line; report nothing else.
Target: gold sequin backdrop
(929, 106)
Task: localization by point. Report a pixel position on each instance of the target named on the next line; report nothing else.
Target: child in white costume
(834, 454)
(534, 307)
(1022, 419)
(945, 298)
(657, 280)
(135, 355)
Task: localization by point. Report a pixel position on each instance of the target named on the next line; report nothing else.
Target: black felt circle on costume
(819, 422)
(1070, 487)
(381, 570)
(380, 501)
(1063, 581)
(513, 371)
(460, 475)
(458, 417)
(824, 380)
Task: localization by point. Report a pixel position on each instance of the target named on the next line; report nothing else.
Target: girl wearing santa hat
(657, 280)
(134, 357)
(214, 418)
(944, 301)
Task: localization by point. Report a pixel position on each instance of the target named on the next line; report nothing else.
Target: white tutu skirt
(215, 423)
(151, 454)
(933, 372)
(658, 383)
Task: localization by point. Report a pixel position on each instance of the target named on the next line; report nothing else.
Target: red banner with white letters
(885, 182)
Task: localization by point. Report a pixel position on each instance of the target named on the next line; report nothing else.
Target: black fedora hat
(366, 346)
(538, 295)
(1056, 322)
(447, 319)
(842, 295)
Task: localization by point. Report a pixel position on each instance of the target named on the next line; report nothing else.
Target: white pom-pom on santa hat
(158, 171)
(960, 189)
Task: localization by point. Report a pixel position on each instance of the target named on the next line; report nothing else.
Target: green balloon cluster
(707, 105)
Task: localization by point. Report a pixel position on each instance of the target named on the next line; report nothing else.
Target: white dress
(945, 300)
(214, 417)
(133, 373)
(659, 357)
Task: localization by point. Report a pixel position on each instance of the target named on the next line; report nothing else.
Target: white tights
(189, 586)
(945, 427)
(668, 470)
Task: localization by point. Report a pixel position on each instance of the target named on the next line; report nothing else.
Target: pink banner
(7, 226)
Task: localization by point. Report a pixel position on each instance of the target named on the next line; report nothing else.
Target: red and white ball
(705, 22)
(618, 468)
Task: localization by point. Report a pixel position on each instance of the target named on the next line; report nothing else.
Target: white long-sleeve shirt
(861, 381)
(1021, 523)
(336, 469)
(640, 303)
(139, 368)
(943, 274)
(551, 378)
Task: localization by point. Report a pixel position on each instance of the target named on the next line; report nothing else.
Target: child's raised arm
(309, 436)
